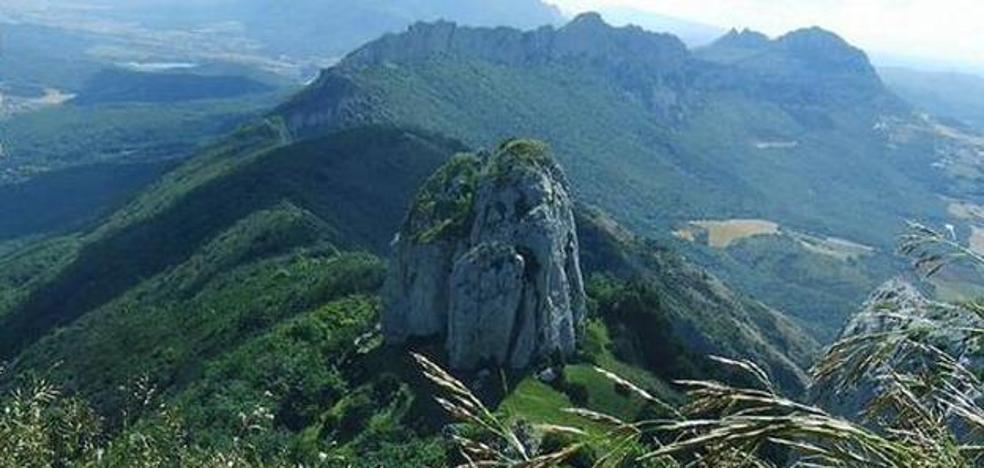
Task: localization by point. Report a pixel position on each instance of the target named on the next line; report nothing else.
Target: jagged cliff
(488, 258)
(650, 67)
(585, 40)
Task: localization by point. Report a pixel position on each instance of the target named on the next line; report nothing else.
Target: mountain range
(794, 131)
(738, 199)
(279, 36)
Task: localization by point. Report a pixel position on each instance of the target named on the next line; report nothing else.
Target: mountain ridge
(683, 136)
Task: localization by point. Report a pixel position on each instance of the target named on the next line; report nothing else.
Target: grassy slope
(66, 200)
(706, 167)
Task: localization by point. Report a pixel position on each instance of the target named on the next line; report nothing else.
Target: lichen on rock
(488, 259)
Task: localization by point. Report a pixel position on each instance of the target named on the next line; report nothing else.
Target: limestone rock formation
(895, 306)
(488, 259)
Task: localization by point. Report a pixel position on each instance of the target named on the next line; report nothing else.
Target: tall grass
(916, 365)
(41, 427)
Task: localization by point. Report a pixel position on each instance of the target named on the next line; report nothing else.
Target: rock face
(881, 313)
(488, 258)
(649, 66)
(587, 39)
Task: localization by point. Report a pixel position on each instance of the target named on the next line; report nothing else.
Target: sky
(948, 32)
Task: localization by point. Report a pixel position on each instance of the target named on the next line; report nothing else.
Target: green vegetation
(927, 417)
(70, 135)
(248, 332)
(62, 201)
(797, 134)
(643, 329)
(235, 292)
(640, 287)
(228, 314)
(909, 365)
(287, 396)
(62, 168)
(818, 287)
(121, 85)
(448, 198)
(517, 154)
(198, 202)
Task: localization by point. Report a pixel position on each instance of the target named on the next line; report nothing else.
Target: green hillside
(800, 131)
(196, 203)
(246, 280)
(736, 201)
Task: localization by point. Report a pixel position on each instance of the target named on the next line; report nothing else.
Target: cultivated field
(721, 234)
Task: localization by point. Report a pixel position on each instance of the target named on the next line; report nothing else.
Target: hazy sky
(945, 30)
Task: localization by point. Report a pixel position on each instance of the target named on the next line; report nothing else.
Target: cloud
(943, 30)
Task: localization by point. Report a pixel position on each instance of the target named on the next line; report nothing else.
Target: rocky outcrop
(743, 39)
(896, 295)
(488, 259)
(587, 39)
(897, 306)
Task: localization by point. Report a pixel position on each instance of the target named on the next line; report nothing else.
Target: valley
(722, 234)
(242, 234)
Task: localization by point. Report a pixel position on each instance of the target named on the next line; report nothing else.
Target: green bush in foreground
(40, 427)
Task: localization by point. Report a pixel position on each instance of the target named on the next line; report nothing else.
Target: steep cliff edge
(488, 259)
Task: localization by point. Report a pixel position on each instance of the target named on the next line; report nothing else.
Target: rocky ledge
(488, 259)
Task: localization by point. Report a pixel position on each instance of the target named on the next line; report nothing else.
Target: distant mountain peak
(744, 38)
(655, 70)
(817, 40)
(588, 18)
(826, 49)
(798, 56)
(814, 33)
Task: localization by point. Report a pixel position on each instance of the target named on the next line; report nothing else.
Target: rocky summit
(488, 259)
